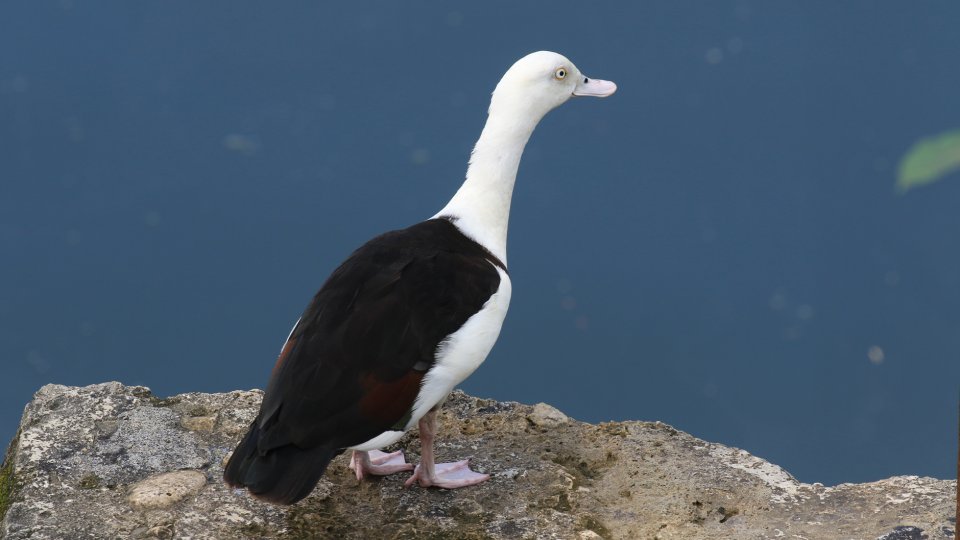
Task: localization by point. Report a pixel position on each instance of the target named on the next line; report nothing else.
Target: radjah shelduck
(407, 317)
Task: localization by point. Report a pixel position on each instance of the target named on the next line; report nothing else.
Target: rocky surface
(114, 461)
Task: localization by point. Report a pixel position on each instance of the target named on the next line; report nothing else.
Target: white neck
(481, 207)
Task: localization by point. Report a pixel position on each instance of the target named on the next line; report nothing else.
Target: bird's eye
(560, 74)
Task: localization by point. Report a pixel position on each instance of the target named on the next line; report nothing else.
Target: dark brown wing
(352, 367)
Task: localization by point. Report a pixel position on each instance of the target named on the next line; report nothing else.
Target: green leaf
(929, 160)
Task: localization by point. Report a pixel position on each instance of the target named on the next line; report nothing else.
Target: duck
(404, 319)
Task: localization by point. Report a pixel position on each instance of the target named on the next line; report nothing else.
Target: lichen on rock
(114, 461)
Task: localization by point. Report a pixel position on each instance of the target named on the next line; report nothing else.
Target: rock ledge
(115, 461)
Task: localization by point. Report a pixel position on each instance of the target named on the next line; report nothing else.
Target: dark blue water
(718, 246)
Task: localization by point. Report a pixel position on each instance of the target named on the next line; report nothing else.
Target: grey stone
(547, 416)
(113, 461)
(165, 489)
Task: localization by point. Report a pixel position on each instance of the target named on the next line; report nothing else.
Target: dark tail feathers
(282, 475)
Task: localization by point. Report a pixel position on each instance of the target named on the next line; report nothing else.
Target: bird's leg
(445, 475)
(378, 463)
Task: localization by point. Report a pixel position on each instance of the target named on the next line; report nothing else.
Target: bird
(404, 319)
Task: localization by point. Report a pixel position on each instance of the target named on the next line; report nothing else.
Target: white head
(541, 81)
(533, 86)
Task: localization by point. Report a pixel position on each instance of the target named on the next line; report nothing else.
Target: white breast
(456, 358)
(463, 351)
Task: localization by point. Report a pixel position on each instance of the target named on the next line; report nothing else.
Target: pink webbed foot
(378, 463)
(446, 475)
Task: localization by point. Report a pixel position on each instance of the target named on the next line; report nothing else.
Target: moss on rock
(8, 482)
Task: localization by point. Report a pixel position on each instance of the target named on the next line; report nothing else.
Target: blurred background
(722, 245)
